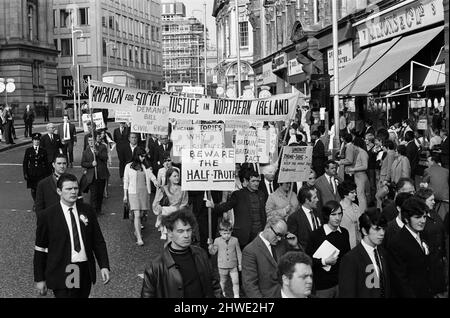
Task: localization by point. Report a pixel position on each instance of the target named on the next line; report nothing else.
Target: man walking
(68, 136)
(68, 237)
(51, 143)
(120, 137)
(28, 118)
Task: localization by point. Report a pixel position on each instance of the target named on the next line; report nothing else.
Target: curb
(28, 142)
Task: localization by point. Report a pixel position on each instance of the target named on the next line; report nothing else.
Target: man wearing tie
(163, 151)
(305, 220)
(68, 237)
(51, 142)
(268, 184)
(409, 253)
(120, 137)
(327, 183)
(68, 136)
(35, 165)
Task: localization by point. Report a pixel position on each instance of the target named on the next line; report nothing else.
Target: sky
(198, 5)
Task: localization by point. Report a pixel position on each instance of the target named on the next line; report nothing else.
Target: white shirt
(370, 251)
(80, 256)
(266, 242)
(283, 295)
(132, 147)
(333, 181)
(309, 213)
(328, 229)
(399, 222)
(268, 186)
(66, 133)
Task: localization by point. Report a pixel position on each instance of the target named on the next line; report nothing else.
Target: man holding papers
(327, 245)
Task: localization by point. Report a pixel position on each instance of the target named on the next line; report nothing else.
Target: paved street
(18, 225)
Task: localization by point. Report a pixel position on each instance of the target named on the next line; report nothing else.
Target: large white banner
(110, 96)
(208, 169)
(295, 164)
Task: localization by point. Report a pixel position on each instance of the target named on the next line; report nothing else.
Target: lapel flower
(84, 219)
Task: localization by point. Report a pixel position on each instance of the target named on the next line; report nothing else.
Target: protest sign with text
(247, 146)
(208, 169)
(197, 136)
(97, 118)
(295, 164)
(122, 116)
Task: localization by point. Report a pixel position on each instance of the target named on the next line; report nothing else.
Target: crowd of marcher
(368, 222)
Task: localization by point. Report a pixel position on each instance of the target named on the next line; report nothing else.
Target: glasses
(281, 236)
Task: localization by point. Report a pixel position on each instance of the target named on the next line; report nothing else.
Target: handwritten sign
(122, 116)
(263, 145)
(247, 146)
(295, 164)
(208, 169)
(153, 118)
(97, 118)
(197, 136)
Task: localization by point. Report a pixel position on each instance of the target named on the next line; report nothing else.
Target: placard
(247, 146)
(197, 136)
(208, 169)
(97, 118)
(122, 116)
(295, 164)
(150, 119)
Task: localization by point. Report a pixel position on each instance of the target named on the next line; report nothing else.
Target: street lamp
(107, 54)
(8, 87)
(205, 45)
(75, 76)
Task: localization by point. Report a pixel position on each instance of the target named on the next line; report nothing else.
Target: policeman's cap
(36, 136)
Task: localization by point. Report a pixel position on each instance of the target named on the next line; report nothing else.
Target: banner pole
(208, 195)
(92, 123)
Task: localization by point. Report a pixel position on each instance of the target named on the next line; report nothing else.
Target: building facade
(183, 48)
(27, 54)
(114, 35)
(226, 69)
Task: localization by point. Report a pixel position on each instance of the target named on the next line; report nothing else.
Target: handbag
(126, 211)
(165, 199)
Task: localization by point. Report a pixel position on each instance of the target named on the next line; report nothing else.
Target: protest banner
(263, 136)
(122, 116)
(208, 170)
(247, 146)
(275, 108)
(197, 136)
(150, 119)
(97, 118)
(295, 164)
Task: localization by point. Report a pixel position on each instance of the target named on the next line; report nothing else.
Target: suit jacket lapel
(304, 218)
(82, 225)
(63, 222)
(265, 251)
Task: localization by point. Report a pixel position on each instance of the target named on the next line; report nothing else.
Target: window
(104, 22)
(83, 16)
(111, 22)
(104, 47)
(153, 33)
(55, 42)
(37, 74)
(55, 13)
(130, 53)
(64, 18)
(66, 47)
(243, 33)
(32, 31)
(83, 46)
(157, 34)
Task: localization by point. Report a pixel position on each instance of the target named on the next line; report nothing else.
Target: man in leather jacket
(182, 270)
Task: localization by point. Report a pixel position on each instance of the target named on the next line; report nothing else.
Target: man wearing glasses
(259, 259)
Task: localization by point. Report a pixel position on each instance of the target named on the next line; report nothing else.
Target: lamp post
(107, 54)
(75, 76)
(8, 86)
(238, 49)
(205, 39)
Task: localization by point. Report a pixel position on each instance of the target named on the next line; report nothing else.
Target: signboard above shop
(279, 62)
(399, 19)
(345, 55)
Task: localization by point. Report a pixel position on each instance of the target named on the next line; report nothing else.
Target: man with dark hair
(409, 253)
(259, 259)
(395, 225)
(68, 237)
(120, 137)
(295, 274)
(182, 270)
(249, 207)
(46, 193)
(306, 219)
(364, 271)
(318, 154)
(369, 128)
(412, 152)
(327, 183)
(404, 185)
(68, 134)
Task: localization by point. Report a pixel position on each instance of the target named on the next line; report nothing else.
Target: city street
(18, 226)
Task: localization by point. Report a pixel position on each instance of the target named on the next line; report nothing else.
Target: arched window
(31, 22)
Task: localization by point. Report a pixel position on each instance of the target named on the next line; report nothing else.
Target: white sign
(263, 145)
(122, 116)
(412, 16)
(345, 55)
(97, 118)
(422, 124)
(247, 146)
(150, 119)
(197, 137)
(294, 67)
(208, 169)
(295, 164)
(193, 90)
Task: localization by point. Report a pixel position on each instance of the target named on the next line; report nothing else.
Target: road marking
(20, 182)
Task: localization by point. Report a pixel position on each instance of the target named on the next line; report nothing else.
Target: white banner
(295, 164)
(197, 136)
(104, 95)
(208, 169)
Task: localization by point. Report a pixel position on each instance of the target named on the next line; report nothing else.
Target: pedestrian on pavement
(94, 160)
(136, 189)
(350, 210)
(46, 113)
(35, 165)
(68, 135)
(28, 118)
(106, 140)
(51, 142)
(259, 259)
(295, 273)
(64, 259)
(46, 194)
(182, 270)
(360, 173)
(8, 125)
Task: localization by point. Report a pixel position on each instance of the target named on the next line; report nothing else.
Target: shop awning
(375, 64)
(435, 78)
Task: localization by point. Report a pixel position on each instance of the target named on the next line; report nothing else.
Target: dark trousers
(68, 150)
(7, 131)
(96, 188)
(371, 173)
(28, 129)
(33, 194)
(85, 285)
(46, 116)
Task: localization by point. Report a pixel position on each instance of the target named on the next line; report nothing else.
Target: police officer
(35, 165)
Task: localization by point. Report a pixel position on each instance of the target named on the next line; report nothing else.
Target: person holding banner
(136, 189)
(283, 202)
(169, 199)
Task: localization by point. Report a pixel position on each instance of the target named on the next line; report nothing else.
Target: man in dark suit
(120, 137)
(364, 271)
(404, 185)
(295, 273)
(46, 193)
(268, 183)
(259, 259)
(35, 165)
(412, 153)
(249, 209)
(395, 225)
(368, 128)
(409, 253)
(68, 135)
(305, 220)
(68, 237)
(94, 160)
(327, 183)
(51, 142)
(162, 151)
(318, 154)
(444, 148)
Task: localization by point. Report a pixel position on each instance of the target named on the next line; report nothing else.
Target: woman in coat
(136, 189)
(360, 173)
(401, 167)
(350, 210)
